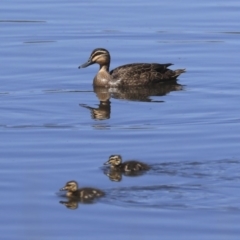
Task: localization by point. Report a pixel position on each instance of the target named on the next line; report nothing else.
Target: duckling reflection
(70, 204)
(113, 175)
(128, 168)
(86, 194)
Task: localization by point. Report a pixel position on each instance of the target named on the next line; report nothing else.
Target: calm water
(54, 128)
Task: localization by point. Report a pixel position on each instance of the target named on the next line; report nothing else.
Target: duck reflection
(102, 112)
(116, 175)
(113, 175)
(142, 94)
(70, 204)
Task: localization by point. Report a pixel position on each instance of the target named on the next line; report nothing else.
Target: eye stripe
(98, 53)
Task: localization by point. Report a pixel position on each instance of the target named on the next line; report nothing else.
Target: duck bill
(106, 163)
(62, 189)
(86, 64)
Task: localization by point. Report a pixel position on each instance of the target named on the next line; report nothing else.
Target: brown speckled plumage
(135, 74)
(115, 162)
(83, 194)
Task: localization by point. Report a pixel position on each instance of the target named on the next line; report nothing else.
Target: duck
(132, 166)
(133, 74)
(82, 194)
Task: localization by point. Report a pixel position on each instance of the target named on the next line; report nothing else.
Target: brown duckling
(115, 162)
(134, 74)
(83, 194)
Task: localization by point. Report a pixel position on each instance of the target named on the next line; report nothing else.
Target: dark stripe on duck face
(98, 53)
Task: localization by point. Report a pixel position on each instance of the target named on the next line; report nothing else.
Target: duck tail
(178, 72)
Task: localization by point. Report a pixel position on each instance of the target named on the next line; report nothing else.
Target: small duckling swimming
(134, 74)
(83, 194)
(115, 162)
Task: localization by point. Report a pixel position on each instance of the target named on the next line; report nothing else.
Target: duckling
(134, 74)
(115, 162)
(83, 194)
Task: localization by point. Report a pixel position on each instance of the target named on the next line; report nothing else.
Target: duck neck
(104, 67)
(103, 77)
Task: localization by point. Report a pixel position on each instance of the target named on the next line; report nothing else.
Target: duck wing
(134, 166)
(140, 74)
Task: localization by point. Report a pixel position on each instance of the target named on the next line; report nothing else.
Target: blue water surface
(54, 127)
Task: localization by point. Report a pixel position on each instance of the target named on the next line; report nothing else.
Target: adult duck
(134, 74)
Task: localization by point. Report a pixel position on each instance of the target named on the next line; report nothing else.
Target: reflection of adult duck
(101, 112)
(82, 194)
(135, 74)
(115, 162)
(143, 94)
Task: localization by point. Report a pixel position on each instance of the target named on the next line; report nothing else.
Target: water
(54, 128)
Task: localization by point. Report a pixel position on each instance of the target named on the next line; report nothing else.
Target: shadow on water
(141, 94)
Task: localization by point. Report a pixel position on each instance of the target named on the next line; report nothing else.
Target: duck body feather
(132, 166)
(143, 74)
(116, 164)
(82, 194)
(86, 193)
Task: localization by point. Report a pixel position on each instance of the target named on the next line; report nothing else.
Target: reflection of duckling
(83, 194)
(114, 175)
(71, 204)
(115, 162)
